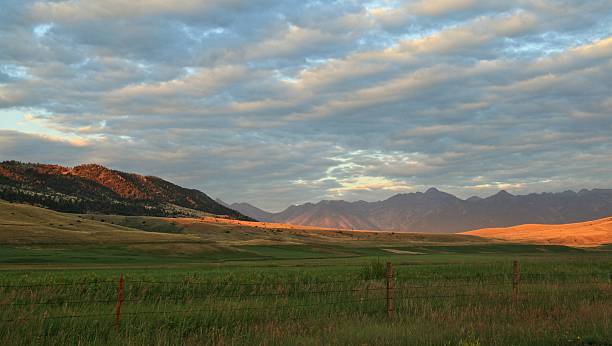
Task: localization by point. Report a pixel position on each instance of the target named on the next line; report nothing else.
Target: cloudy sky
(282, 102)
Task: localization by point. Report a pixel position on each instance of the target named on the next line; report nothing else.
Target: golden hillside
(590, 233)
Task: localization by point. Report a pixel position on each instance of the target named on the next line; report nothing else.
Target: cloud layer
(285, 102)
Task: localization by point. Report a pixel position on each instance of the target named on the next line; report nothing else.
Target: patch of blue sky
(81, 63)
(146, 68)
(381, 4)
(189, 71)
(25, 121)
(528, 49)
(285, 78)
(17, 120)
(42, 29)
(550, 43)
(379, 41)
(15, 71)
(198, 34)
(313, 62)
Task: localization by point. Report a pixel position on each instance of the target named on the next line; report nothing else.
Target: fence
(382, 295)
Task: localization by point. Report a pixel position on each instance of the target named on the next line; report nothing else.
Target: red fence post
(119, 298)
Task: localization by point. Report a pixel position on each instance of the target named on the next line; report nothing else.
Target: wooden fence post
(515, 281)
(389, 289)
(119, 298)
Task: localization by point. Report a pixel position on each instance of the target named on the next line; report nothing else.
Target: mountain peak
(502, 194)
(438, 211)
(252, 211)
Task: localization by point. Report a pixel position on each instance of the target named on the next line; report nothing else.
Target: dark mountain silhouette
(256, 213)
(437, 211)
(251, 210)
(96, 189)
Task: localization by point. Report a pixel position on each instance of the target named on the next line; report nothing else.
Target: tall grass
(375, 269)
(563, 301)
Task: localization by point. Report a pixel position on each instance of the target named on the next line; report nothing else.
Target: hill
(29, 225)
(26, 225)
(590, 233)
(97, 189)
(440, 212)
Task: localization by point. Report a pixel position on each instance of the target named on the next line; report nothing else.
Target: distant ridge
(441, 212)
(248, 209)
(254, 212)
(96, 189)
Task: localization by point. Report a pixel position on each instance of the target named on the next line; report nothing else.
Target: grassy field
(439, 299)
(205, 283)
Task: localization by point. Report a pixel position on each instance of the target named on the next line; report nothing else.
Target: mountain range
(97, 189)
(439, 212)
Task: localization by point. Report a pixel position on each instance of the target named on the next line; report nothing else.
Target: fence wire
(398, 291)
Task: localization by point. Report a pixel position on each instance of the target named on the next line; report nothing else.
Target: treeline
(81, 206)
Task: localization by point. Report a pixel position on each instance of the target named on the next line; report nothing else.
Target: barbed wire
(402, 297)
(400, 277)
(177, 298)
(453, 285)
(285, 318)
(243, 308)
(285, 294)
(400, 287)
(257, 308)
(187, 283)
(60, 284)
(521, 295)
(416, 277)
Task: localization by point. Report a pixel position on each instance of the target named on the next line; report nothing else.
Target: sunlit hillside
(591, 233)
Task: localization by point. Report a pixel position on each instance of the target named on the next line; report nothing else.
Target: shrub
(374, 270)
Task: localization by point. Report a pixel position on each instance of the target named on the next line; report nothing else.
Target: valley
(215, 280)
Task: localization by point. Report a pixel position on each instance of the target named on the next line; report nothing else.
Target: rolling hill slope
(22, 224)
(590, 233)
(31, 235)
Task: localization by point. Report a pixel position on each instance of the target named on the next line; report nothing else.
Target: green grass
(199, 284)
(125, 255)
(215, 303)
(492, 248)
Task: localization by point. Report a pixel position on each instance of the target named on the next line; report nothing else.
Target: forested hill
(97, 189)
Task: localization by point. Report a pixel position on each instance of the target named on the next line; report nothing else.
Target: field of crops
(442, 299)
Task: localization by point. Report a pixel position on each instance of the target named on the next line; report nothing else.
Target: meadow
(224, 284)
(438, 299)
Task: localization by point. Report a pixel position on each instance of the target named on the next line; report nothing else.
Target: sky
(285, 102)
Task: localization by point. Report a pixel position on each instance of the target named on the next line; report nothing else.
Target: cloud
(281, 102)
(38, 148)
